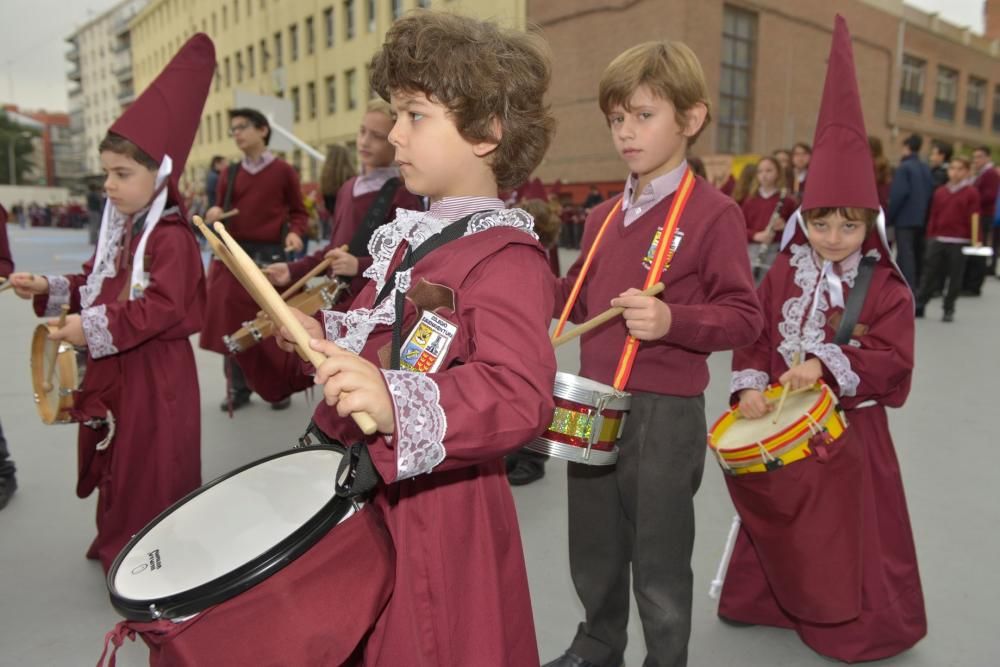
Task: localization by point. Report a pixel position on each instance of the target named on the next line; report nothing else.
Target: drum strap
(374, 218)
(227, 199)
(855, 301)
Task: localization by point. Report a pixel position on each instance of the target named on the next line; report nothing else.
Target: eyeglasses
(238, 128)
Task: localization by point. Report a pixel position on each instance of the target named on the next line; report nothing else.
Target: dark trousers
(975, 274)
(635, 520)
(943, 260)
(909, 251)
(7, 468)
(237, 383)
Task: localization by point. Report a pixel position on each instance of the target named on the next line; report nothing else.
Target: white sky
(33, 46)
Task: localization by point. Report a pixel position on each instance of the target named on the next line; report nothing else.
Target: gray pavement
(53, 603)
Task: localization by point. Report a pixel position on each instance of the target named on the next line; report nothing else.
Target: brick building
(765, 61)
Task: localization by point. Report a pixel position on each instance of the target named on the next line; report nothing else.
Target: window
(371, 15)
(911, 91)
(310, 37)
(368, 83)
(218, 78)
(946, 93)
(311, 99)
(349, 18)
(249, 8)
(225, 17)
(350, 83)
(208, 128)
(225, 69)
(215, 24)
(395, 8)
(296, 107)
(277, 49)
(251, 61)
(236, 11)
(423, 4)
(264, 55)
(218, 126)
(996, 109)
(293, 42)
(331, 95)
(239, 67)
(328, 26)
(975, 102)
(739, 30)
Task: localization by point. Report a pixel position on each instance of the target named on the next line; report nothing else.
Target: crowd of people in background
(33, 214)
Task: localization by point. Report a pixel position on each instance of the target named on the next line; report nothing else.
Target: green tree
(19, 138)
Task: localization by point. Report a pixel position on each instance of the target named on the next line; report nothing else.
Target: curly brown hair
(482, 74)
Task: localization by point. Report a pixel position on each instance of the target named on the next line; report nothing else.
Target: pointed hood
(164, 119)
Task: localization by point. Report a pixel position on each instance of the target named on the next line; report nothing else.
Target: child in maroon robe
(825, 546)
(765, 212)
(635, 520)
(471, 379)
(137, 302)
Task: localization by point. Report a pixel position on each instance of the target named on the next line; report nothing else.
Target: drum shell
(317, 298)
(70, 366)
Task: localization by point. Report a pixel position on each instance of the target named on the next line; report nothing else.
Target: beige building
(100, 78)
(311, 52)
(765, 61)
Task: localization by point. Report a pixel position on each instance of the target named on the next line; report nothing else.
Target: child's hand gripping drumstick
(278, 311)
(598, 320)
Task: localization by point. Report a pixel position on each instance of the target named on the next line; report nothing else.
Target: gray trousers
(635, 520)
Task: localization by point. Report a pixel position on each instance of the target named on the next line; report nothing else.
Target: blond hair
(378, 105)
(671, 70)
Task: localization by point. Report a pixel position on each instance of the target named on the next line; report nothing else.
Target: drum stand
(720, 574)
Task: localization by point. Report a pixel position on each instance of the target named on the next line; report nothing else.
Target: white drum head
(743, 432)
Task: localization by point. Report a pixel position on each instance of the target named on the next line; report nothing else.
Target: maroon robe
(826, 547)
(460, 595)
(266, 200)
(757, 211)
(141, 369)
(6, 263)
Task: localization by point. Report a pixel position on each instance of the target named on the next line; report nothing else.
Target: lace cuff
(95, 330)
(839, 365)
(420, 422)
(748, 378)
(58, 295)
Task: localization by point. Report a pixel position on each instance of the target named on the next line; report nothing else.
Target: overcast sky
(33, 46)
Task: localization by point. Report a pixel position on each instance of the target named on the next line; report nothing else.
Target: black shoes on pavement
(8, 485)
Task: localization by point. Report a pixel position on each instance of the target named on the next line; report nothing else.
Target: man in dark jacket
(909, 200)
(939, 159)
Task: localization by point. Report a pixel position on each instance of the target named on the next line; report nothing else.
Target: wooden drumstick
(55, 350)
(5, 284)
(280, 313)
(300, 283)
(230, 213)
(594, 322)
(784, 391)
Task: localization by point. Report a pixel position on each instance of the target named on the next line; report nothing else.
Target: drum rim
(823, 389)
(574, 390)
(195, 600)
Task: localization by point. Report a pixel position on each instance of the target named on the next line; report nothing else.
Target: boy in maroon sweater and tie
(636, 519)
(949, 230)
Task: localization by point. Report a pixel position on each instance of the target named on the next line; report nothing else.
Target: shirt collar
(453, 208)
(374, 179)
(659, 188)
(256, 166)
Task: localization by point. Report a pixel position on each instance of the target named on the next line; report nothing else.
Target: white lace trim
(505, 217)
(421, 423)
(104, 264)
(350, 330)
(414, 227)
(95, 330)
(802, 327)
(58, 295)
(748, 378)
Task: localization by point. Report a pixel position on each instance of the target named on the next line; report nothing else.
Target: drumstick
(5, 284)
(594, 322)
(784, 391)
(280, 313)
(316, 270)
(230, 213)
(55, 350)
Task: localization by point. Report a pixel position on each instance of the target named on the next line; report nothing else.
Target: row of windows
(911, 94)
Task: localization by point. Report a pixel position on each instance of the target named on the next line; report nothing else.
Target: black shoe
(568, 659)
(970, 292)
(282, 404)
(8, 485)
(919, 313)
(238, 401)
(948, 317)
(526, 472)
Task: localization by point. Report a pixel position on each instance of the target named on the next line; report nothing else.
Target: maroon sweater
(757, 211)
(708, 288)
(6, 261)
(951, 213)
(266, 202)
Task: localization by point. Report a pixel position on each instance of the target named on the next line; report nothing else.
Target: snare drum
(587, 422)
(810, 421)
(321, 297)
(57, 370)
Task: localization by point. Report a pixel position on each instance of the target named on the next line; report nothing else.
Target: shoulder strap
(374, 218)
(227, 200)
(855, 300)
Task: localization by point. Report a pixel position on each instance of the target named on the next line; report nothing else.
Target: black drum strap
(855, 301)
(356, 475)
(227, 199)
(374, 218)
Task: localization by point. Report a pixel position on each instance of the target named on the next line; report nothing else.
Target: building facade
(314, 53)
(100, 77)
(765, 62)
(52, 161)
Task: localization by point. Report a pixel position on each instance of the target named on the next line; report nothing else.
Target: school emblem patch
(425, 348)
(647, 261)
